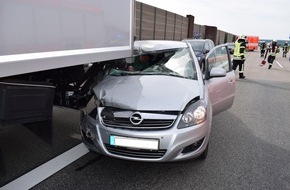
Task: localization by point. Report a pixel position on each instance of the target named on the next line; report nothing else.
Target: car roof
(230, 43)
(157, 45)
(197, 40)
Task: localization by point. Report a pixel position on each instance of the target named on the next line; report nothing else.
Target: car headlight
(193, 115)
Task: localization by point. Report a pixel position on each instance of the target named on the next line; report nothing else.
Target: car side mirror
(217, 72)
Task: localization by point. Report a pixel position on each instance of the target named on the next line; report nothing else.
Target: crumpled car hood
(147, 92)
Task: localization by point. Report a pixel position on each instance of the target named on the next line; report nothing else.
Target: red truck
(252, 43)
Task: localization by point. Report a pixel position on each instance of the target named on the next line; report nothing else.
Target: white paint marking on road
(280, 65)
(49, 168)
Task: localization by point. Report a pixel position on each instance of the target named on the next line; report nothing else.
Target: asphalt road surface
(249, 147)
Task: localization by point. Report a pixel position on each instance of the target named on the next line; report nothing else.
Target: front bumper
(173, 144)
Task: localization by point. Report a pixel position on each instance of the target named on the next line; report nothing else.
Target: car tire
(203, 156)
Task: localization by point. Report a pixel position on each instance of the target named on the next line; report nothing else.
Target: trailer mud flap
(25, 103)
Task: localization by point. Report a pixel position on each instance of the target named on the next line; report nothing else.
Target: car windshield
(174, 62)
(196, 45)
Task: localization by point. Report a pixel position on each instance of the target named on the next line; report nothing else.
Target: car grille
(146, 123)
(150, 120)
(135, 153)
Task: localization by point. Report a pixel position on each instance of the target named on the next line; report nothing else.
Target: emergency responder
(240, 55)
(263, 48)
(272, 50)
(285, 49)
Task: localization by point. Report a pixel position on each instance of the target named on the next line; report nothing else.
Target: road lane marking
(47, 169)
(280, 65)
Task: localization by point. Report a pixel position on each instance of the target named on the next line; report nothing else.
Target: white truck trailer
(45, 46)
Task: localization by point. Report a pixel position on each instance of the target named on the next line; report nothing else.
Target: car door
(221, 88)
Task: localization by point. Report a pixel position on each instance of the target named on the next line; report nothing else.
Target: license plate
(151, 144)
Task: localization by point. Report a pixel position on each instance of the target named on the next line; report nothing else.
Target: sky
(268, 19)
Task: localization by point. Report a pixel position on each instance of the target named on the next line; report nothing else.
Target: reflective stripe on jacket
(273, 50)
(239, 50)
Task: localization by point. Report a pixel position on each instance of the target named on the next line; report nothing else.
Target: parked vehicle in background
(160, 112)
(201, 47)
(252, 43)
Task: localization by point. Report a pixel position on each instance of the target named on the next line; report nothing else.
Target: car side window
(206, 46)
(211, 45)
(219, 58)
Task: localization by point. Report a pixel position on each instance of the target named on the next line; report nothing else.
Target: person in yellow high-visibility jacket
(239, 55)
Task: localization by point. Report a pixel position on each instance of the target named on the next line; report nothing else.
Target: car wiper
(178, 75)
(174, 75)
(149, 73)
(123, 73)
(167, 74)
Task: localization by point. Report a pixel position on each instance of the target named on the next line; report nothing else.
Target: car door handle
(231, 81)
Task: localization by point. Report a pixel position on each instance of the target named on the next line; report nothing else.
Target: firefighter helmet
(243, 37)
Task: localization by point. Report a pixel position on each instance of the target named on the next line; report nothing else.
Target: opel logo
(136, 118)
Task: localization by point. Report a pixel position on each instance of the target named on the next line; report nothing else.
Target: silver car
(162, 110)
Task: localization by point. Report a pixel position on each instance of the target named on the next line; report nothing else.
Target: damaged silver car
(158, 106)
